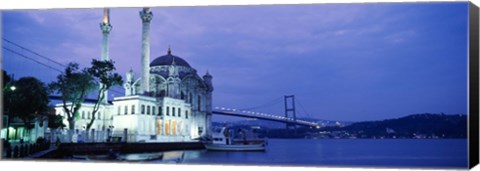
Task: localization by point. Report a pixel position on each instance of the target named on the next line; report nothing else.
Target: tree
(6, 79)
(29, 100)
(55, 121)
(104, 73)
(6, 83)
(7, 91)
(73, 86)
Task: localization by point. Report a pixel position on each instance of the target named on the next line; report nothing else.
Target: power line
(31, 51)
(41, 63)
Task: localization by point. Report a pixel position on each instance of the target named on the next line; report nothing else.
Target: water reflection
(445, 153)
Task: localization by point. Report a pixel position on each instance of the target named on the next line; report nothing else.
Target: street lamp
(12, 88)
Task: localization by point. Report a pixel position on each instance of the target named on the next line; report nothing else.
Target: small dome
(169, 59)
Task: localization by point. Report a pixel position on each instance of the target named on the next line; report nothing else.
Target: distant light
(13, 88)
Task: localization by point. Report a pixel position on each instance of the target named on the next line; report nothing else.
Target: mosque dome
(169, 59)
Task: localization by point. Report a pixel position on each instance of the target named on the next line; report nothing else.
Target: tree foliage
(55, 121)
(104, 73)
(29, 100)
(73, 86)
(7, 83)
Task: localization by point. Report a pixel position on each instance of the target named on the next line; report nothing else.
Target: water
(417, 153)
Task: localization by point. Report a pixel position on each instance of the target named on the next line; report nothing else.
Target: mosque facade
(169, 101)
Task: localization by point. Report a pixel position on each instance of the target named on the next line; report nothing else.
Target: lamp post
(12, 88)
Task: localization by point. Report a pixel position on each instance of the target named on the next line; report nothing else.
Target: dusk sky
(349, 62)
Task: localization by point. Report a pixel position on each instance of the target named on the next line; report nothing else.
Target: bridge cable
(301, 106)
(272, 102)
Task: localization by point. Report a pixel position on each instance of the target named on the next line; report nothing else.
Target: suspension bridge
(290, 121)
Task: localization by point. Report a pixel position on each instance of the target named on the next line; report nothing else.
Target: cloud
(329, 54)
(401, 36)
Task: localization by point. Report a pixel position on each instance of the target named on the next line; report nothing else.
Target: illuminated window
(167, 127)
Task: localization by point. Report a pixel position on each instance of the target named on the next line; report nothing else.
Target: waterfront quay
(121, 147)
(69, 149)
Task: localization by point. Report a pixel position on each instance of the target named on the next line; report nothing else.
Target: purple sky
(348, 62)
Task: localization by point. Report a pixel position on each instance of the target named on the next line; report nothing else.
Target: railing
(68, 136)
(23, 150)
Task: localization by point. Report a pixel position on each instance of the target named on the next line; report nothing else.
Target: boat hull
(240, 147)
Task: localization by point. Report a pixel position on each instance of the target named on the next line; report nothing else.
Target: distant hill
(425, 125)
(413, 126)
(279, 125)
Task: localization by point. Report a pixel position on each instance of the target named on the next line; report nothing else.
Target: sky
(348, 62)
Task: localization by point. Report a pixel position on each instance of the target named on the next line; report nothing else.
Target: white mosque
(168, 102)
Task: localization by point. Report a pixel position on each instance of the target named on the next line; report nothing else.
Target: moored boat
(229, 140)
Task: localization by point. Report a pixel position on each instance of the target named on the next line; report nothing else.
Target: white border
(69, 4)
(51, 4)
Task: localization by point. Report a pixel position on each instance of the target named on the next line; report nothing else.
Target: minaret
(207, 78)
(130, 83)
(106, 28)
(146, 15)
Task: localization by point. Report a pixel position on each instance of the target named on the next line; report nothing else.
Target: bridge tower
(290, 109)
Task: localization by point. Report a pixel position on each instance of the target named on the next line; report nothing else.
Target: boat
(230, 140)
(141, 156)
(98, 157)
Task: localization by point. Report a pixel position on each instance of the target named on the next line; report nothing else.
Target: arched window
(88, 115)
(148, 110)
(153, 110)
(160, 111)
(99, 115)
(83, 114)
(179, 113)
(168, 111)
(182, 95)
(186, 114)
(190, 98)
(126, 109)
(119, 107)
(133, 109)
(173, 111)
(198, 103)
(143, 109)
